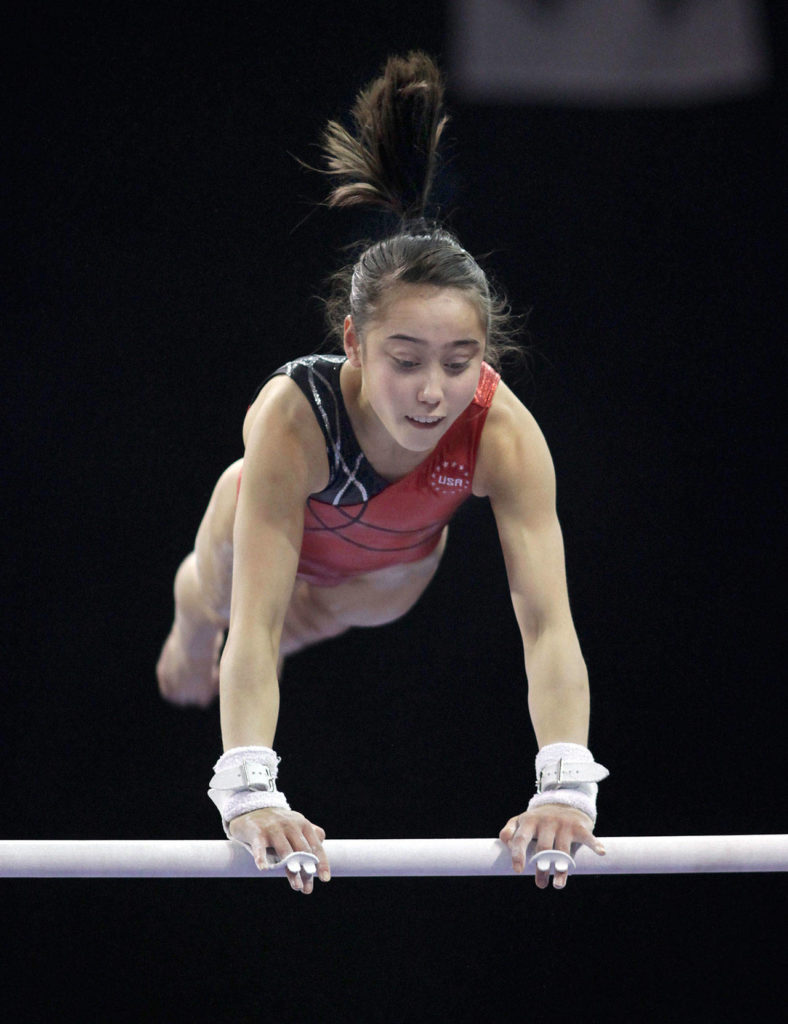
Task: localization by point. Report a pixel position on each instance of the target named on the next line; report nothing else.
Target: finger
(257, 841)
(560, 877)
(519, 849)
(323, 866)
(507, 833)
(308, 840)
(564, 838)
(300, 861)
(315, 838)
(282, 848)
(595, 844)
(517, 836)
(263, 850)
(564, 842)
(295, 878)
(579, 834)
(302, 869)
(545, 841)
(556, 861)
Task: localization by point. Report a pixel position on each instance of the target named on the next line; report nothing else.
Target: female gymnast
(353, 466)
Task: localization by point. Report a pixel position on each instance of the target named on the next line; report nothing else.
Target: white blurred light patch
(607, 52)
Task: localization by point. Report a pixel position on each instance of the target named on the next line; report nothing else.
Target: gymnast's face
(420, 360)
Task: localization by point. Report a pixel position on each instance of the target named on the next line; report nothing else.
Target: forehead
(430, 310)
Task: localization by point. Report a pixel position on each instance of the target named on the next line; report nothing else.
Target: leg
(320, 613)
(187, 669)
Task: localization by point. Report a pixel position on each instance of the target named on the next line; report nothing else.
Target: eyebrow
(422, 341)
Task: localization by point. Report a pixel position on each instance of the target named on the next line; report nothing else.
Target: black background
(165, 254)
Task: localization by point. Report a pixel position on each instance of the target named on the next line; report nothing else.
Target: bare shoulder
(280, 427)
(513, 454)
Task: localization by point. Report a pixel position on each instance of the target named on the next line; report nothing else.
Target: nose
(431, 391)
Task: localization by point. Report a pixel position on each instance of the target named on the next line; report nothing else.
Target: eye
(404, 364)
(457, 367)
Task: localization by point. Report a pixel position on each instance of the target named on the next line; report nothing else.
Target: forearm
(249, 692)
(558, 694)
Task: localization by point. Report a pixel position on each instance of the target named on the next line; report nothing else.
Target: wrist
(244, 780)
(567, 774)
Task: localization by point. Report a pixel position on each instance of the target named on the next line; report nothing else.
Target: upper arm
(515, 470)
(285, 461)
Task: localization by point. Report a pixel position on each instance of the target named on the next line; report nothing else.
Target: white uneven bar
(219, 858)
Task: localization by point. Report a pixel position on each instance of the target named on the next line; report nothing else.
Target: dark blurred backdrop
(164, 253)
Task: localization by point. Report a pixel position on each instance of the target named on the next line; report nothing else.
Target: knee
(187, 587)
(193, 598)
(214, 574)
(219, 519)
(213, 547)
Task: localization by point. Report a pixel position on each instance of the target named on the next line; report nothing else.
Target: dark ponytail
(389, 160)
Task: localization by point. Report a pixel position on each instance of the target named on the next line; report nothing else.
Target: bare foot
(188, 680)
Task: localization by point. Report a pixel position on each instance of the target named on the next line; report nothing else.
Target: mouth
(425, 422)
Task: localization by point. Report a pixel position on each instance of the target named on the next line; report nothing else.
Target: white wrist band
(566, 773)
(244, 780)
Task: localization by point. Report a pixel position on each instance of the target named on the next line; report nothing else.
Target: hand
(284, 832)
(554, 827)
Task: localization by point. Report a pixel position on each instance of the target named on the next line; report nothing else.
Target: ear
(352, 344)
